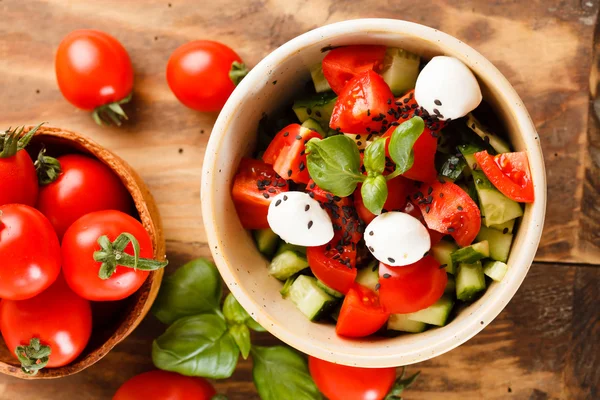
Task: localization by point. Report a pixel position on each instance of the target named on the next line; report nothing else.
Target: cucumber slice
(266, 241)
(469, 281)
(472, 253)
(287, 264)
(285, 290)
(442, 253)
(310, 299)
(453, 167)
(318, 107)
(329, 291)
(369, 276)
(495, 270)
(506, 227)
(450, 289)
(483, 132)
(437, 314)
(283, 247)
(316, 73)
(400, 322)
(499, 242)
(496, 207)
(400, 70)
(314, 125)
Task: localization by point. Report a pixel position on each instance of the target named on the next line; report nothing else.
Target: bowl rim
(479, 318)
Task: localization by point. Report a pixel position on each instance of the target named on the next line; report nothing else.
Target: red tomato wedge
(398, 189)
(449, 209)
(361, 314)
(413, 287)
(363, 105)
(253, 187)
(287, 152)
(343, 63)
(509, 173)
(424, 149)
(331, 267)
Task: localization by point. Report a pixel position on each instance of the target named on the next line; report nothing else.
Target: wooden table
(545, 345)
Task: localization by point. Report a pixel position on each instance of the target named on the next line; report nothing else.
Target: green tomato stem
(48, 168)
(393, 175)
(12, 141)
(237, 72)
(111, 112)
(33, 357)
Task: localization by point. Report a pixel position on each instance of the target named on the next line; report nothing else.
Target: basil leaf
(282, 373)
(255, 326)
(402, 141)
(193, 289)
(241, 334)
(197, 346)
(374, 160)
(374, 192)
(233, 311)
(334, 164)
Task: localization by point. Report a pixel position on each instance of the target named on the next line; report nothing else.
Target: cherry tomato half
(165, 385)
(29, 252)
(85, 185)
(57, 317)
(361, 313)
(340, 382)
(343, 63)
(80, 243)
(198, 74)
(509, 173)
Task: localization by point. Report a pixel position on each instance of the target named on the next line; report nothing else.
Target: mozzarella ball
(299, 219)
(397, 239)
(447, 86)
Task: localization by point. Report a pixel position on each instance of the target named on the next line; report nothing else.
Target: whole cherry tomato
(57, 318)
(29, 252)
(339, 382)
(107, 271)
(94, 72)
(84, 185)
(202, 74)
(18, 180)
(164, 385)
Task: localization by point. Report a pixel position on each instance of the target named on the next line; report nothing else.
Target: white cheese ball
(448, 86)
(397, 239)
(299, 219)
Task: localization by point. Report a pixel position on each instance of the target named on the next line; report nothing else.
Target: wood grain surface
(543, 346)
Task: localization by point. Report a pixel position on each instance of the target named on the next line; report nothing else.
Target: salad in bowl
(387, 196)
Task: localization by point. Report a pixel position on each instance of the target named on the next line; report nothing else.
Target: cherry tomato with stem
(102, 256)
(161, 385)
(75, 185)
(94, 73)
(202, 74)
(49, 330)
(29, 252)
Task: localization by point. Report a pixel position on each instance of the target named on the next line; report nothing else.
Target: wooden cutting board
(543, 346)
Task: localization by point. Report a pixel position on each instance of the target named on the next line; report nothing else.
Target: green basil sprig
(282, 373)
(334, 163)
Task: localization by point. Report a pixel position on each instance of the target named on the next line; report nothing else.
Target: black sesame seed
(286, 134)
(308, 111)
(298, 137)
(318, 114)
(395, 123)
(441, 194)
(451, 229)
(387, 276)
(377, 286)
(443, 266)
(368, 112)
(390, 259)
(307, 207)
(429, 190)
(374, 267)
(272, 190)
(312, 185)
(278, 202)
(473, 126)
(301, 166)
(459, 208)
(289, 172)
(505, 231)
(285, 197)
(337, 198)
(437, 102)
(357, 137)
(310, 224)
(389, 101)
(427, 209)
(429, 199)
(266, 195)
(371, 249)
(312, 195)
(371, 233)
(359, 143)
(486, 139)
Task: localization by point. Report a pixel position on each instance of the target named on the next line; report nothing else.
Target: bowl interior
(112, 321)
(272, 85)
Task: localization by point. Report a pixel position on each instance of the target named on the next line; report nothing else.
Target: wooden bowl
(113, 321)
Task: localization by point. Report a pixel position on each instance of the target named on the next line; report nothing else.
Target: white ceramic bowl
(234, 135)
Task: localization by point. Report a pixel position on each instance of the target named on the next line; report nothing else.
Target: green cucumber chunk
(472, 253)
(442, 252)
(450, 286)
(400, 322)
(499, 242)
(318, 107)
(285, 290)
(329, 291)
(369, 276)
(453, 167)
(483, 132)
(314, 125)
(266, 241)
(284, 246)
(318, 78)
(437, 314)
(469, 281)
(495, 270)
(310, 299)
(506, 227)
(287, 264)
(400, 70)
